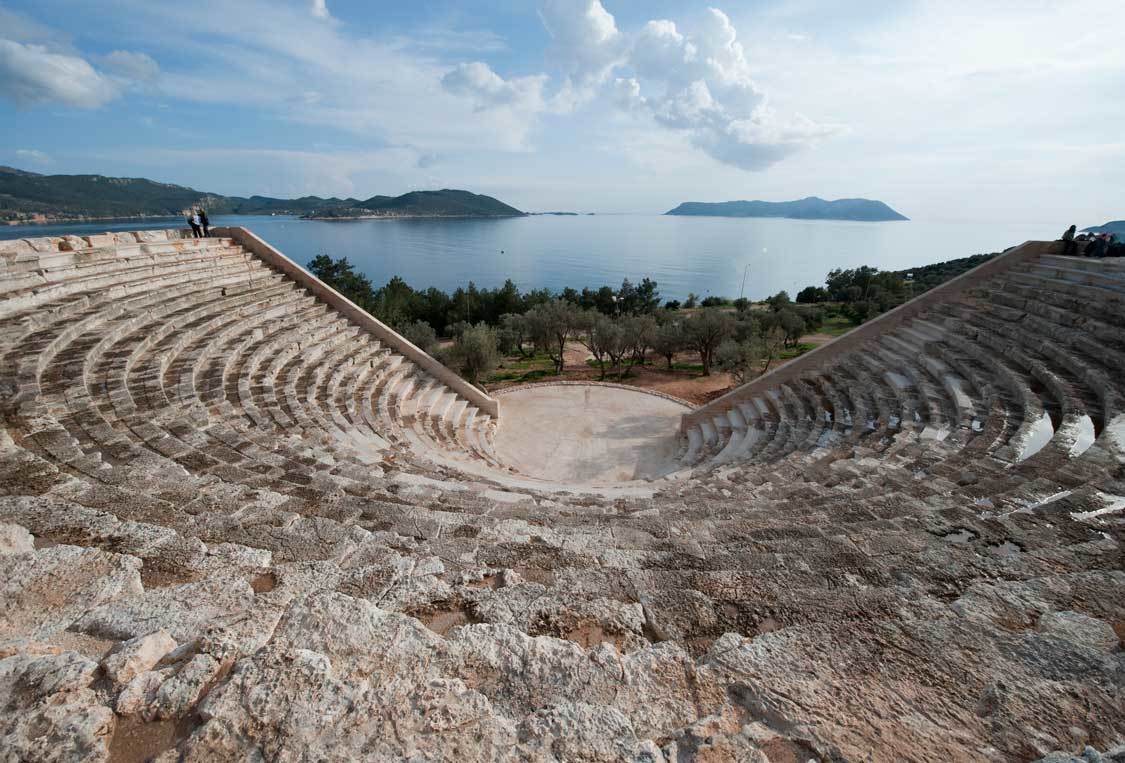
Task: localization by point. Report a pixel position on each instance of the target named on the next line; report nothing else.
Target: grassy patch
(517, 363)
(520, 369)
(836, 326)
(696, 367)
(791, 352)
(520, 376)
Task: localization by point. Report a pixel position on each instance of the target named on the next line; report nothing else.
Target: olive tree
(421, 335)
(511, 334)
(792, 324)
(475, 352)
(640, 330)
(668, 340)
(705, 331)
(550, 325)
(739, 359)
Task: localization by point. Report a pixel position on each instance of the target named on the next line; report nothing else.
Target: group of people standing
(200, 225)
(1090, 244)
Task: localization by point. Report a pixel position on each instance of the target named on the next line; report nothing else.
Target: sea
(706, 256)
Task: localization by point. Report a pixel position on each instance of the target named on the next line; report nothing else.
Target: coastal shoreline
(362, 218)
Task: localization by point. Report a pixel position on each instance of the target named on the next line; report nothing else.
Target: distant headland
(28, 197)
(811, 208)
(444, 203)
(1113, 226)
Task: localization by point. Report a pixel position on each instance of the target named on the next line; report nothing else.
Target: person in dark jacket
(1069, 245)
(205, 223)
(193, 221)
(1100, 247)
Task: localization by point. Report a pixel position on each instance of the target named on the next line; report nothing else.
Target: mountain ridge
(32, 197)
(448, 202)
(808, 208)
(1113, 226)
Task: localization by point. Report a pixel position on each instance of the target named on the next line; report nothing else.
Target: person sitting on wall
(205, 223)
(1069, 245)
(193, 221)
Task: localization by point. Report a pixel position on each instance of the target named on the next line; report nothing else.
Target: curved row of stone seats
(920, 377)
(133, 344)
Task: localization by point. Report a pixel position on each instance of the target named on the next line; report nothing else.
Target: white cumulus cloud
(585, 38)
(697, 83)
(31, 75)
(487, 88)
(319, 9)
(701, 83)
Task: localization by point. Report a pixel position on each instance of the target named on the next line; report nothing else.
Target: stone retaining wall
(873, 329)
(592, 383)
(360, 317)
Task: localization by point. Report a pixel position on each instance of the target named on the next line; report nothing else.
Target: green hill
(811, 208)
(444, 203)
(1113, 226)
(26, 196)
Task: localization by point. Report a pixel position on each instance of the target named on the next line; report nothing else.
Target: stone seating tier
(235, 520)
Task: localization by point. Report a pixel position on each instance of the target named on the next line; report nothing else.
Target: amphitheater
(242, 520)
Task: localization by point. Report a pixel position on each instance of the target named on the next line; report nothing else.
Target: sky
(948, 110)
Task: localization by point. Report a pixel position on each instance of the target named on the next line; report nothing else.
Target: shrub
(421, 335)
(474, 352)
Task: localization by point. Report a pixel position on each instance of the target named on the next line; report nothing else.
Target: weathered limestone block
(15, 539)
(724, 738)
(1089, 755)
(47, 711)
(137, 656)
(140, 693)
(72, 243)
(15, 247)
(179, 693)
(46, 591)
(296, 702)
(573, 731)
(184, 611)
(537, 610)
(150, 236)
(343, 678)
(1080, 629)
(100, 240)
(45, 244)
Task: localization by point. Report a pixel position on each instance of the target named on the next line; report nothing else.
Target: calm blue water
(705, 255)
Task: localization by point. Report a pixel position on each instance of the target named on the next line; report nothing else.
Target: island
(420, 204)
(29, 197)
(1113, 227)
(811, 208)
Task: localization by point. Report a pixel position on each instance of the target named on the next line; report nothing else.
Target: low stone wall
(591, 383)
(858, 336)
(360, 317)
